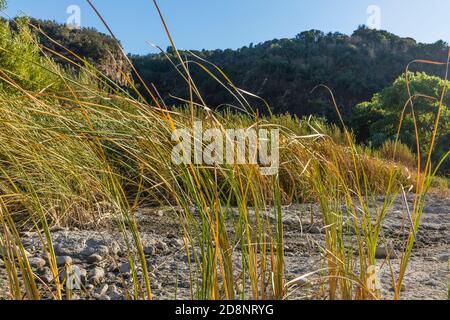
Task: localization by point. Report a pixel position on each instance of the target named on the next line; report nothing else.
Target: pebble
(402, 289)
(95, 258)
(63, 260)
(156, 285)
(432, 283)
(36, 262)
(384, 253)
(97, 296)
(89, 287)
(83, 275)
(444, 257)
(97, 275)
(315, 230)
(150, 250)
(162, 247)
(104, 290)
(177, 243)
(114, 293)
(47, 276)
(125, 268)
(102, 250)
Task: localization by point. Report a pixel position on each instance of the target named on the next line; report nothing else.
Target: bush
(400, 153)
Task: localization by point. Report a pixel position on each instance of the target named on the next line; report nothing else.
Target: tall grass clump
(78, 150)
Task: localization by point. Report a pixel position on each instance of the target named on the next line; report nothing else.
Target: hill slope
(285, 71)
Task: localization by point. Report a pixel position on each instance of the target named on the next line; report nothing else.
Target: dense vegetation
(362, 67)
(71, 44)
(365, 66)
(376, 121)
(284, 71)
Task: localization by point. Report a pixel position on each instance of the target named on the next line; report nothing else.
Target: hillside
(285, 71)
(98, 48)
(282, 71)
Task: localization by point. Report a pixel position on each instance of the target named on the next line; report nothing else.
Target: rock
(57, 228)
(315, 230)
(97, 296)
(101, 250)
(36, 262)
(47, 276)
(384, 253)
(402, 289)
(150, 250)
(115, 250)
(83, 276)
(57, 247)
(63, 261)
(114, 293)
(103, 290)
(444, 257)
(75, 297)
(89, 287)
(125, 268)
(432, 283)
(97, 275)
(156, 285)
(176, 243)
(94, 258)
(162, 247)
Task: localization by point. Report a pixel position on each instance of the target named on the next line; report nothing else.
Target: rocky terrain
(101, 261)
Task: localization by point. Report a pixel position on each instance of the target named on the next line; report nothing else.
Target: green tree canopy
(377, 121)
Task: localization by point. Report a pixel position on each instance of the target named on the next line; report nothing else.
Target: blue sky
(211, 24)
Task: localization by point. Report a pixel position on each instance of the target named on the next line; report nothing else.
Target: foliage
(72, 44)
(400, 153)
(377, 121)
(284, 71)
(21, 59)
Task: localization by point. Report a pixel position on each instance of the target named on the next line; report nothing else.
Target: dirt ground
(100, 256)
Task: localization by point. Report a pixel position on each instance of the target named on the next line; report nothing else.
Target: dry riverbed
(102, 262)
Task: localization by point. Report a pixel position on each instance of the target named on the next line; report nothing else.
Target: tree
(377, 121)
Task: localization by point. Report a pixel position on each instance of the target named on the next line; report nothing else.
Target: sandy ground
(100, 261)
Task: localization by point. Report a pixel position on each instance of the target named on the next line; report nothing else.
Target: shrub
(399, 152)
